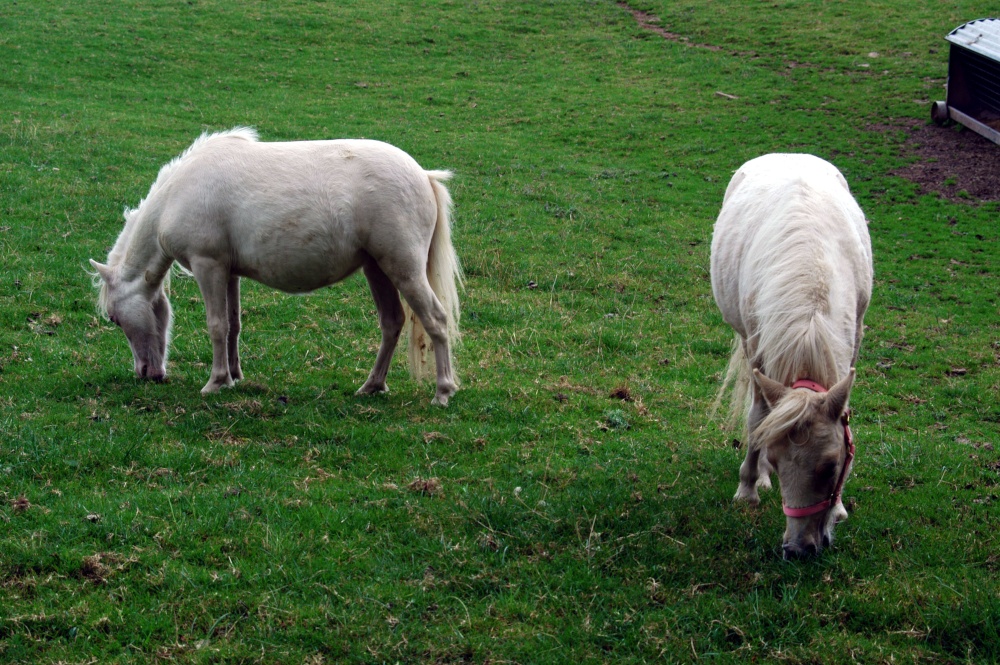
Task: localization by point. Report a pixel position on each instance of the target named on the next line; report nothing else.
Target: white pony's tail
(737, 382)
(444, 273)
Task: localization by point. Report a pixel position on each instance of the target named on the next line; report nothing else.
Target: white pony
(295, 216)
(792, 274)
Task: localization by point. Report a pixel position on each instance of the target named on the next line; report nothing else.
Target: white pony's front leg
(213, 280)
(233, 338)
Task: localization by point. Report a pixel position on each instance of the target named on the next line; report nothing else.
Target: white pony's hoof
(764, 483)
(440, 400)
(372, 390)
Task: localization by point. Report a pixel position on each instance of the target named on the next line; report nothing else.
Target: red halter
(848, 442)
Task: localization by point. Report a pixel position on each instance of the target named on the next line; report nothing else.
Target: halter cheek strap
(834, 498)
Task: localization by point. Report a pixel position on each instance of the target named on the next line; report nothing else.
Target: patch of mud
(651, 22)
(954, 162)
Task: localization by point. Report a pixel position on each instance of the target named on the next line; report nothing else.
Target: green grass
(540, 517)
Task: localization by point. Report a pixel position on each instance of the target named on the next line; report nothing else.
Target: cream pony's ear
(771, 389)
(102, 270)
(836, 399)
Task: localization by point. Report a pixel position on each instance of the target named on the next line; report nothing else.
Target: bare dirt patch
(651, 22)
(953, 162)
(428, 486)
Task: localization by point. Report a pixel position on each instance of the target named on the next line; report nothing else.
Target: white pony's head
(141, 309)
(807, 441)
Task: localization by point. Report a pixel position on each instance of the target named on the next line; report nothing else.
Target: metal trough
(973, 96)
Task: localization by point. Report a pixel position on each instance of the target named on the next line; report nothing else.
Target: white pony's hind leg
(213, 280)
(421, 299)
(390, 321)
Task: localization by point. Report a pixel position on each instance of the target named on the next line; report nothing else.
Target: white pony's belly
(295, 257)
(299, 280)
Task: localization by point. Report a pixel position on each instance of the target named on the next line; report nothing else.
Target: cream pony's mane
(795, 332)
(783, 418)
(132, 214)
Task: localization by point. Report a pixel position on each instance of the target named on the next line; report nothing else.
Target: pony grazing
(792, 274)
(296, 216)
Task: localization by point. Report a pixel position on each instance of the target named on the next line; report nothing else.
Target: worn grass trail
(573, 501)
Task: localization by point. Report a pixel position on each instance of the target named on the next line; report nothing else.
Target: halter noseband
(848, 442)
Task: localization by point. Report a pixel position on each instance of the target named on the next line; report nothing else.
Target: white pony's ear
(836, 399)
(772, 390)
(102, 270)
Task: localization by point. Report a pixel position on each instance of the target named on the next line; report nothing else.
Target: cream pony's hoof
(216, 386)
(747, 495)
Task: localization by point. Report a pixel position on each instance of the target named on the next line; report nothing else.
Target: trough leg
(390, 321)
(213, 280)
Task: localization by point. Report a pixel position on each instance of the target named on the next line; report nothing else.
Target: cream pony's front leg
(755, 472)
(213, 280)
(749, 477)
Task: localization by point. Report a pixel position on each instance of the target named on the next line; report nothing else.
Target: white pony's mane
(246, 133)
(132, 214)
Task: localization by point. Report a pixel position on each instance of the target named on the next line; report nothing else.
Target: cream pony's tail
(736, 382)
(444, 272)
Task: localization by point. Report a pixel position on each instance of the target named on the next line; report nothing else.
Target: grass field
(573, 502)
